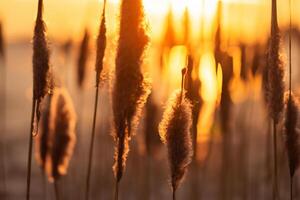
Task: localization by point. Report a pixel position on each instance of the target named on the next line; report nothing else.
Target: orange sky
(66, 18)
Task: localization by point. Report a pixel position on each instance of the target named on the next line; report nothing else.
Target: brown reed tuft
(101, 45)
(41, 66)
(56, 141)
(175, 132)
(275, 70)
(2, 46)
(131, 89)
(41, 79)
(275, 88)
(83, 59)
(291, 133)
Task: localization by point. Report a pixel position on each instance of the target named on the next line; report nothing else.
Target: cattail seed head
(291, 133)
(131, 89)
(40, 59)
(83, 59)
(275, 70)
(101, 45)
(56, 141)
(175, 132)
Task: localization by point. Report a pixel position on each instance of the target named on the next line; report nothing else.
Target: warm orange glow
(207, 74)
(175, 61)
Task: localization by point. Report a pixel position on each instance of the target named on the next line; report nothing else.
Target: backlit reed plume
(2, 46)
(83, 59)
(292, 107)
(131, 89)
(41, 76)
(101, 45)
(276, 86)
(175, 132)
(292, 136)
(56, 139)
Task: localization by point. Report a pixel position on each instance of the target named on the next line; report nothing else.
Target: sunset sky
(67, 18)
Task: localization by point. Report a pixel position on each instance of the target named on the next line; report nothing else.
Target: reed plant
(101, 45)
(175, 132)
(131, 88)
(56, 139)
(41, 80)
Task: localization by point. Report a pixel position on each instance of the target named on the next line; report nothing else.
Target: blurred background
(225, 44)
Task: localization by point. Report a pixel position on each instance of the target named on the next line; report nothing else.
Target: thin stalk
(117, 190)
(290, 50)
(30, 149)
(174, 194)
(56, 190)
(275, 187)
(92, 145)
(291, 187)
(2, 139)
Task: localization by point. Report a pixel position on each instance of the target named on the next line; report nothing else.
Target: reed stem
(56, 190)
(291, 187)
(275, 187)
(30, 149)
(92, 145)
(117, 191)
(174, 194)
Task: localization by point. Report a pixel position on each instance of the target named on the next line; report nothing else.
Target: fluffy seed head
(131, 89)
(292, 134)
(40, 59)
(275, 71)
(101, 45)
(175, 132)
(56, 141)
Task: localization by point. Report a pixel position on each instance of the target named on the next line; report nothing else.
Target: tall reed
(57, 138)
(101, 45)
(2, 109)
(175, 132)
(292, 137)
(41, 75)
(130, 89)
(291, 132)
(276, 86)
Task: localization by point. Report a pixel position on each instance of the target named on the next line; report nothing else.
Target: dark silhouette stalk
(91, 145)
(30, 150)
(174, 194)
(117, 190)
(56, 190)
(291, 188)
(101, 44)
(275, 185)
